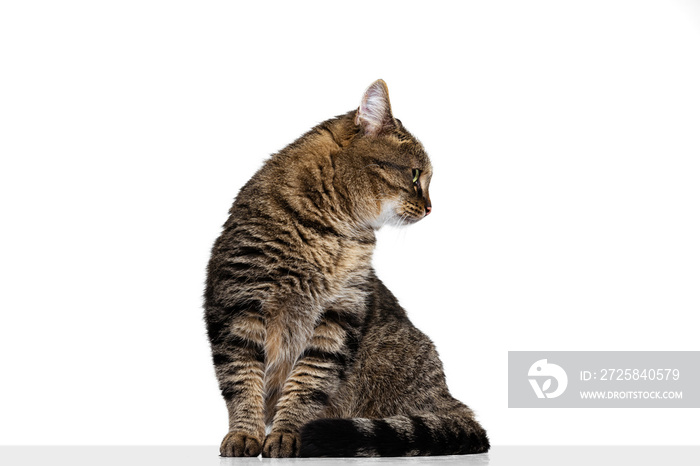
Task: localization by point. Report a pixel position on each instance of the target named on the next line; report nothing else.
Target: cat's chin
(396, 221)
(403, 221)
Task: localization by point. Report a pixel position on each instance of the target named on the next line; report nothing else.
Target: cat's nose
(428, 208)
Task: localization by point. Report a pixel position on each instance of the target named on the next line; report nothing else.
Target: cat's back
(286, 227)
(388, 327)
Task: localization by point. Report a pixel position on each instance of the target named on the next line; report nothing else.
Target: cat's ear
(374, 114)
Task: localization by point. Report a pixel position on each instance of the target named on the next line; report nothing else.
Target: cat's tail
(419, 435)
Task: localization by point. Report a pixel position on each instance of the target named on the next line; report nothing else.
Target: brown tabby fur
(305, 338)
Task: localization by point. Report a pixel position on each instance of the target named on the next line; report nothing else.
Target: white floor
(208, 456)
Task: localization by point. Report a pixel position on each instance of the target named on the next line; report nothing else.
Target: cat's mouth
(395, 214)
(412, 213)
(409, 219)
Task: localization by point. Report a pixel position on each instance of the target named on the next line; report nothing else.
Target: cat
(306, 340)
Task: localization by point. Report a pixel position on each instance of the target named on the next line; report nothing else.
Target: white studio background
(566, 146)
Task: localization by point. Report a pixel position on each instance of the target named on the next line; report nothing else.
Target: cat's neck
(312, 176)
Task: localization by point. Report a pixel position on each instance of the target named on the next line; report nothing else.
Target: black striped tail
(419, 435)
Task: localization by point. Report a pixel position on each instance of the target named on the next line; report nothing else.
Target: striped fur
(305, 339)
(415, 435)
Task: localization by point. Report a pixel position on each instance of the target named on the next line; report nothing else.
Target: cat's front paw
(281, 445)
(240, 444)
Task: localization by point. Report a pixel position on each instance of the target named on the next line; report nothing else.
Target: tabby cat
(306, 340)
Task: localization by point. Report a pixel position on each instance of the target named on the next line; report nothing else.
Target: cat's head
(393, 170)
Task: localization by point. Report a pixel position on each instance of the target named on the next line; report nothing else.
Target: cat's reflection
(462, 460)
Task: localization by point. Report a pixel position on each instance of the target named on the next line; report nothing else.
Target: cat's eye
(416, 175)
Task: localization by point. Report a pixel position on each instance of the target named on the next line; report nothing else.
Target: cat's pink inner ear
(374, 113)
